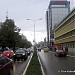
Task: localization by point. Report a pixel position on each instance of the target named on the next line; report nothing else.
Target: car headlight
(23, 53)
(28, 52)
(14, 54)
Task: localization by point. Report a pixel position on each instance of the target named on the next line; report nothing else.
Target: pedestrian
(66, 49)
(62, 48)
(55, 49)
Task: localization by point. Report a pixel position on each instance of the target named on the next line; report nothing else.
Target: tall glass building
(56, 11)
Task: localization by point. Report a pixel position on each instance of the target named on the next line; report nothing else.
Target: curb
(41, 65)
(27, 66)
(71, 56)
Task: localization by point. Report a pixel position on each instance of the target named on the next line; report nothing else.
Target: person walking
(66, 49)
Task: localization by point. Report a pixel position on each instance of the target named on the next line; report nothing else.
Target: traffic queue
(8, 57)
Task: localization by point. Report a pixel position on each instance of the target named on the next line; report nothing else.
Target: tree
(8, 33)
(10, 36)
(24, 42)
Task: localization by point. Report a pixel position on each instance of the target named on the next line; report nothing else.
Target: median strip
(34, 67)
(27, 65)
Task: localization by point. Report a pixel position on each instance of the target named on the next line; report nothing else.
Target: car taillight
(7, 54)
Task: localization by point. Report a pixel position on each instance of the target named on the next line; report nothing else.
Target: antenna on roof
(6, 14)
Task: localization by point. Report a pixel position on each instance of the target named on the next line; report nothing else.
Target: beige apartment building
(64, 32)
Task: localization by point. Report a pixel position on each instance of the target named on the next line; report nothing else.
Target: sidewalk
(71, 54)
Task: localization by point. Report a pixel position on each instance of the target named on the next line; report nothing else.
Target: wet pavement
(54, 65)
(19, 66)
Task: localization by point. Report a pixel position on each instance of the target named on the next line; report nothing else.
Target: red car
(6, 65)
(8, 53)
(60, 53)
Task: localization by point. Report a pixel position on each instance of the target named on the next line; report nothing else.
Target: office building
(56, 11)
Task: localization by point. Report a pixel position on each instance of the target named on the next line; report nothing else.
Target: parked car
(8, 53)
(20, 54)
(60, 53)
(46, 49)
(6, 65)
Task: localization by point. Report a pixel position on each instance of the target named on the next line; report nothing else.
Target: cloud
(39, 36)
(20, 10)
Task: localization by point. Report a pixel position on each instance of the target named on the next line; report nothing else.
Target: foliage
(10, 35)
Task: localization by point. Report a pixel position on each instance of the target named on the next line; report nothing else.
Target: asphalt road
(54, 65)
(19, 66)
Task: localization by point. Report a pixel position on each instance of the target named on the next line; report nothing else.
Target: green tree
(24, 42)
(10, 36)
(8, 33)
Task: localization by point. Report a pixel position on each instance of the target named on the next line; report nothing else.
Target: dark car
(6, 65)
(60, 53)
(20, 54)
(39, 49)
(28, 51)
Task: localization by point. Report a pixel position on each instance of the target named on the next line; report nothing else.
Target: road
(19, 66)
(54, 65)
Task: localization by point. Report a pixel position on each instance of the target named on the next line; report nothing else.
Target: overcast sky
(20, 10)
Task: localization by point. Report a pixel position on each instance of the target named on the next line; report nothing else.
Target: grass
(34, 67)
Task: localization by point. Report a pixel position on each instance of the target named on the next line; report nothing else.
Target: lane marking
(71, 56)
(40, 64)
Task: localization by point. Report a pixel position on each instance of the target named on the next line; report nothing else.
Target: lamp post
(34, 26)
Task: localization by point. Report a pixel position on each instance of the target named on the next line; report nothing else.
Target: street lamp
(34, 26)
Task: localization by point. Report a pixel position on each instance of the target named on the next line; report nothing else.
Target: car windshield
(20, 51)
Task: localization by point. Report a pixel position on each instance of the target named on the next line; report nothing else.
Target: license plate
(18, 55)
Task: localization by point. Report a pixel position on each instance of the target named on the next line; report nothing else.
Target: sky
(21, 10)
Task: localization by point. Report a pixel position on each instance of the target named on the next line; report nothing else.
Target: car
(8, 53)
(39, 49)
(20, 54)
(6, 65)
(28, 51)
(46, 49)
(60, 53)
